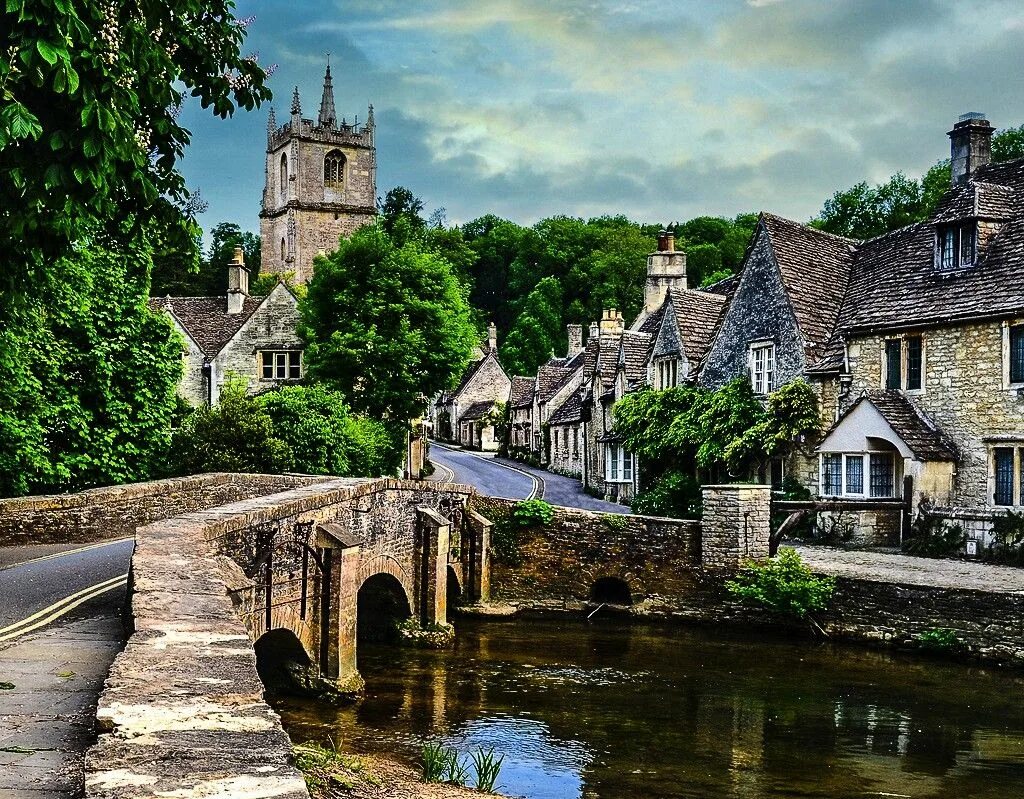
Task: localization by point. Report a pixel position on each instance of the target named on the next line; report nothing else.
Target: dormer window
(957, 245)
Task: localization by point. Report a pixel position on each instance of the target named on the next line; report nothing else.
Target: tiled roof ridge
(898, 231)
(768, 215)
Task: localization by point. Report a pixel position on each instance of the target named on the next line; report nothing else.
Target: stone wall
(560, 563)
(964, 394)
(274, 326)
(735, 524)
(116, 511)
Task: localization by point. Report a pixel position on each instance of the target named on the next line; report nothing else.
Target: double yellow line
(57, 609)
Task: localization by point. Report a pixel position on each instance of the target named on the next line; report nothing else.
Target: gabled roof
(921, 435)
(977, 200)
(815, 270)
(569, 411)
(634, 349)
(521, 395)
(206, 319)
(549, 380)
(478, 410)
(471, 371)
(697, 316)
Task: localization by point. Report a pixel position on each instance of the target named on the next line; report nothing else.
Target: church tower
(321, 184)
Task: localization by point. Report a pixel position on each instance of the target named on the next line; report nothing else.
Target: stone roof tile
(206, 319)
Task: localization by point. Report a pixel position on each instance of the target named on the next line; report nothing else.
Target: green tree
(386, 324)
(1008, 144)
(89, 93)
(179, 275)
(533, 337)
(89, 376)
(236, 435)
(401, 214)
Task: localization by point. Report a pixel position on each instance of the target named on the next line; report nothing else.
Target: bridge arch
(280, 656)
(611, 590)
(381, 601)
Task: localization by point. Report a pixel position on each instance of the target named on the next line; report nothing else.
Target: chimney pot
(238, 282)
(575, 337)
(970, 146)
(492, 337)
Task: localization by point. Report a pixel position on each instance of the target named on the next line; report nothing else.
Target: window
(883, 475)
(282, 365)
(1017, 354)
(575, 442)
(618, 465)
(555, 436)
(956, 245)
(334, 169)
(284, 176)
(668, 373)
(762, 368)
(1008, 476)
(842, 474)
(904, 363)
(284, 249)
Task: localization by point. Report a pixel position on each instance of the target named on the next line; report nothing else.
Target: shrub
(1008, 539)
(674, 495)
(532, 513)
(934, 537)
(940, 639)
(783, 585)
(311, 420)
(506, 536)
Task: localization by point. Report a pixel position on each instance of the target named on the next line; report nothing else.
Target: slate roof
(478, 410)
(698, 314)
(634, 349)
(815, 269)
(470, 372)
(590, 353)
(206, 319)
(910, 423)
(521, 395)
(976, 199)
(570, 411)
(550, 379)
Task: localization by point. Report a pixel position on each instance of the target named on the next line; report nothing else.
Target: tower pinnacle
(271, 121)
(296, 105)
(328, 116)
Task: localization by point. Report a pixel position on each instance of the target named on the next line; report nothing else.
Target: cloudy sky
(657, 109)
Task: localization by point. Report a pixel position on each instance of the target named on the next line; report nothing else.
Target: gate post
(434, 538)
(478, 559)
(736, 525)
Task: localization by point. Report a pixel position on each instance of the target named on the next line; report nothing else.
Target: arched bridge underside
(303, 573)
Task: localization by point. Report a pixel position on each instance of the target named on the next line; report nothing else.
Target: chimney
(575, 336)
(666, 269)
(970, 146)
(492, 337)
(238, 282)
(611, 323)
(595, 330)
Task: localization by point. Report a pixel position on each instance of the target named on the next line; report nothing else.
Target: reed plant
(487, 768)
(435, 761)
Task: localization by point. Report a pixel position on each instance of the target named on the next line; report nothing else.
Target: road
(60, 629)
(498, 477)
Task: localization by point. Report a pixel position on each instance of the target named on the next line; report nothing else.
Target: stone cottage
(929, 351)
(253, 338)
(467, 415)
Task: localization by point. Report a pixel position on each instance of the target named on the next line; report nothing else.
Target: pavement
(883, 567)
(498, 477)
(60, 629)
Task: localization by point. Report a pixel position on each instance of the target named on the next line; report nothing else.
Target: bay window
(843, 474)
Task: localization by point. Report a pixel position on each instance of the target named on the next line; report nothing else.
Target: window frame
(762, 377)
(282, 365)
(866, 459)
(283, 176)
(1010, 329)
(667, 372)
(899, 347)
(335, 164)
(618, 464)
(950, 242)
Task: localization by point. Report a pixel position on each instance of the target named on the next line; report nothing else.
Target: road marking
(533, 478)
(61, 607)
(450, 478)
(66, 552)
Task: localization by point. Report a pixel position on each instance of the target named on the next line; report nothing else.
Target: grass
(443, 764)
(324, 767)
(487, 768)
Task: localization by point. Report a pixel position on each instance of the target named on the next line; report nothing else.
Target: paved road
(60, 629)
(498, 477)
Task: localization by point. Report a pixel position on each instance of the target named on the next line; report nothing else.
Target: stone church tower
(321, 184)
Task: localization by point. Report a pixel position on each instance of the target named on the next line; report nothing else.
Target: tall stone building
(320, 185)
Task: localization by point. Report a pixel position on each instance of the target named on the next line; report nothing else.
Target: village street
(60, 629)
(498, 477)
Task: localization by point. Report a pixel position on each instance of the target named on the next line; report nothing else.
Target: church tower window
(334, 169)
(284, 176)
(284, 249)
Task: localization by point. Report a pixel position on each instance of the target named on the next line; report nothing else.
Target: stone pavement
(47, 720)
(906, 570)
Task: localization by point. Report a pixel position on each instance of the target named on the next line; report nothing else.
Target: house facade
(237, 335)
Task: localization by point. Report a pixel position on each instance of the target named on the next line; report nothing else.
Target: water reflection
(616, 711)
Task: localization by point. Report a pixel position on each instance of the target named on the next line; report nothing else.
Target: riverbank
(339, 775)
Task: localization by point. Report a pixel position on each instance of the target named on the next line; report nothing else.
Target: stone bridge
(368, 554)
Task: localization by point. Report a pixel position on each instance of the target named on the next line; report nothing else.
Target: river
(615, 711)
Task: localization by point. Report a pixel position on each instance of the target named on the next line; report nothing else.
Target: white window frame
(618, 464)
(667, 372)
(843, 473)
(761, 357)
(280, 364)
